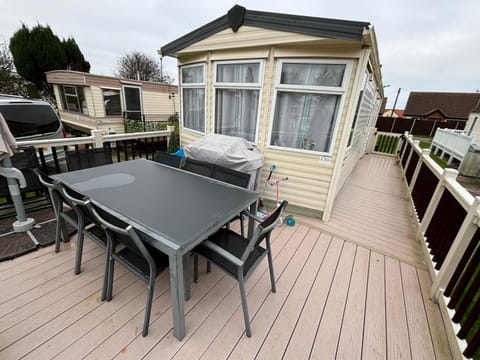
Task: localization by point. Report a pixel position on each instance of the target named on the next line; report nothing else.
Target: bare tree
(138, 66)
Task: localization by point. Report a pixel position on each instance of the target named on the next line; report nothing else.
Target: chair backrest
(76, 201)
(199, 167)
(53, 186)
(231, 176)
(82, 159)
(167, 159)
(119, 231)
(264, 229)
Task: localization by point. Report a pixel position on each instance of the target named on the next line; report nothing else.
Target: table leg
(251, 222)
(186, 275)
(177, 293)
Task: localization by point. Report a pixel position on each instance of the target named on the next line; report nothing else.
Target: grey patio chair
(198, 167)
(86, 224)
(167, 159)
(233, 177)
(82, 159)
(141, 259)
(239, 256)
(64, 213)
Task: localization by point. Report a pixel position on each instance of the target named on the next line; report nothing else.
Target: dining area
(150, 215)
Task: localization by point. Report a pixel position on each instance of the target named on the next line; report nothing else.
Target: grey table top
(173, 206)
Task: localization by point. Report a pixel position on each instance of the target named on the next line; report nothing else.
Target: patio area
(352, 288)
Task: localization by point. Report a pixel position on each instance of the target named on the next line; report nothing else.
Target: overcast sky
(424, 45)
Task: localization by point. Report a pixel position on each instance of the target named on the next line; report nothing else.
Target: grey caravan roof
(238, 16)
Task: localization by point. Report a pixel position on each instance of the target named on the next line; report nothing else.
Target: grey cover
(229, 151)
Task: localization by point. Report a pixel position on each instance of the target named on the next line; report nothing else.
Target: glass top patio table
(175, 208)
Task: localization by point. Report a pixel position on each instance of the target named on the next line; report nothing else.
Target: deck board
(420, 339)
(374, 336)
(398, 342)
(350, 340)
(353, 288)
(303, 337)
(280, 331)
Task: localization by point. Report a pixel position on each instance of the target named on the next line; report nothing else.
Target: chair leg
(243, 296)
(148, 306)
(195, 268)
(106, 275)
(111, 268)
(79, 250)
(58, 231)
(270, 264)
(241, 226)
(64, 232)
(209, 267)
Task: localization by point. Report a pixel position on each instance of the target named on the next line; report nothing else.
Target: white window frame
(195, 86)
(65, 96)
(242, 86)
(124, 99)
(329, 90)
(119, 89)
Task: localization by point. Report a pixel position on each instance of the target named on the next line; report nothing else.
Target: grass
(442, 163)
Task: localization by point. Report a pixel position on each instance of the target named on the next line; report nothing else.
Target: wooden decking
(335, 299)
(372, 211)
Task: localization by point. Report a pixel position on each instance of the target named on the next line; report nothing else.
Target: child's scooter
(262, 209)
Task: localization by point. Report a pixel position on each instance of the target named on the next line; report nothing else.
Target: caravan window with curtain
(193, 97)
(237, 94)
(308, 100)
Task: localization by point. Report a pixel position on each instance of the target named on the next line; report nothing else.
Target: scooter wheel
(290, 220)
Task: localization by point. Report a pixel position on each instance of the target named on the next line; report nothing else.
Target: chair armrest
(223, 253)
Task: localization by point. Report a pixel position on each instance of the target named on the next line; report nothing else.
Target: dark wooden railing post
(405, 143)
(432, 206)
(409, 154)
(421, 159)
(458, 248)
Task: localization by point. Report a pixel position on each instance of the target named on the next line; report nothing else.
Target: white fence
(453, 143)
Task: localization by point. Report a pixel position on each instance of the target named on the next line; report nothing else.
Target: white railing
(97, 138)
(457, 244)
(454, 143)
(386, 143)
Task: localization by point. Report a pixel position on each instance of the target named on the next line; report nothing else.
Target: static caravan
(305, 90)
(87, 101)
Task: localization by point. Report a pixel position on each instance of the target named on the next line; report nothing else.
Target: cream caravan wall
(56, 91)
(309, 174)
(94, 98)
(473, 124)
(155, 103)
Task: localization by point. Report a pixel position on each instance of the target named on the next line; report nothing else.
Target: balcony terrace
(355, 287)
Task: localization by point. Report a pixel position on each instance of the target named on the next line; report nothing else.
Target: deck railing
(127, 146)
(387, 143)
(448, 227)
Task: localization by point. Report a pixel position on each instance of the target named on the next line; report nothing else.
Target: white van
(30, 119)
